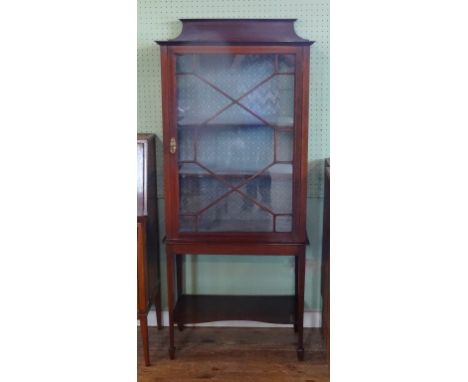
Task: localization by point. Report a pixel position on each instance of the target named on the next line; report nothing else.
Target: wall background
(158, 20)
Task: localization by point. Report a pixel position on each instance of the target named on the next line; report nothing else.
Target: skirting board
(311, 320)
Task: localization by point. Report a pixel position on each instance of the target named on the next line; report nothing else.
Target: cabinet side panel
(152, 228)
(302, 194)
(298, 118)
(141, 269)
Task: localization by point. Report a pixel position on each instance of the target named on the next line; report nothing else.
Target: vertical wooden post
(142, 285)
(300, 318)
(296, 291)
(170, 298)
(144, 337)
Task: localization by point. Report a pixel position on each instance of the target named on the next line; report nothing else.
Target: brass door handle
(172, 146)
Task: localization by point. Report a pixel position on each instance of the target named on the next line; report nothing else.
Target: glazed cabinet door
(233, 141)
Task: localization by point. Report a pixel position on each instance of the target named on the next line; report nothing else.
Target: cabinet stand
(189, 309)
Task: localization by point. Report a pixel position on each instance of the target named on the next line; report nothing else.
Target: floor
(233, 354)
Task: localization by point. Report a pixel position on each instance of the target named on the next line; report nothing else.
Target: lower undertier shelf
(209, 308)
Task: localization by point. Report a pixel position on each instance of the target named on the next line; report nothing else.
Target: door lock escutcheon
(172, 146)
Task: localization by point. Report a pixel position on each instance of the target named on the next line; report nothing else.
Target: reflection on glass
(235, 118)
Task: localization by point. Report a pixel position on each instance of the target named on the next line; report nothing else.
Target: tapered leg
(180, 282)
(300, 318)
(144, 337)
(170, 299)
(157, 296)
(296, 268)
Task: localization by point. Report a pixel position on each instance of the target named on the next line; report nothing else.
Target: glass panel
(197, 188)
(184, 63)
(235, 115)
(272, 189)
(232, 111)
(186, 139)
(273, 101)
(284, 146)
(197, 101)
(284, 223)
(235, 74)
(286, 63)
(233, 151)
(233, 214)
(187, 223)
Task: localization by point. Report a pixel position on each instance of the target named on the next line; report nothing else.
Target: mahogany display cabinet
(235, 118)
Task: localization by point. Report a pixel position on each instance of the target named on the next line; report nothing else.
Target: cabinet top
(145, 137)
(237, 32)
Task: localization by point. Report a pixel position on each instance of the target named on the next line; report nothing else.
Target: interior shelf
(209, 308)
(284, 123)
(280, 168)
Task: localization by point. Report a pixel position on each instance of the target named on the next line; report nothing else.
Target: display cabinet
(235, 113)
